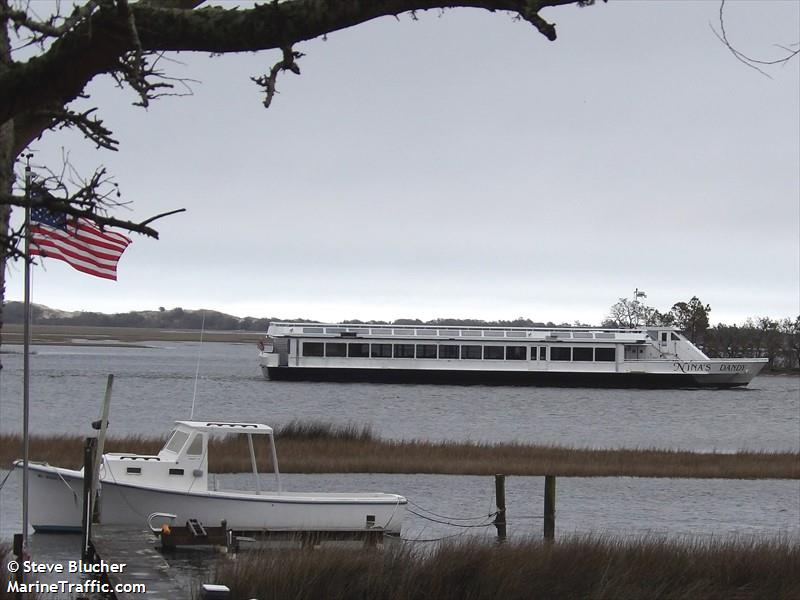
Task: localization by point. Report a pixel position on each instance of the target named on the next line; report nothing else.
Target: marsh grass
(310, 447)
(578, 567)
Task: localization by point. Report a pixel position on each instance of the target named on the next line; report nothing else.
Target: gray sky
(462, 165)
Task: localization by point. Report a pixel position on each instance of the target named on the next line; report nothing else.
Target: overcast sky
(461, 165)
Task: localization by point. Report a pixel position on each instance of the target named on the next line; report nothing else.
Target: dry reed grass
(581, 567)
(323, 448)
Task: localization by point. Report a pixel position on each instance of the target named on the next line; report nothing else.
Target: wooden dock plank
(144, 564)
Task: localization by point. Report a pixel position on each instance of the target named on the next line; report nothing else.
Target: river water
(155, 385)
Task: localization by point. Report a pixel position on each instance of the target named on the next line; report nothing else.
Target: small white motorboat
(175, 481)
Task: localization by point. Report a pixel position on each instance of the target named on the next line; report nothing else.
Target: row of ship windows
(464, 351)
(460, 332)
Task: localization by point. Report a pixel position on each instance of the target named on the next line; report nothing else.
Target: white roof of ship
(228, 427)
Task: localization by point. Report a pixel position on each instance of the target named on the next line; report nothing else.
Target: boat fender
(261, 345)
(165, 530)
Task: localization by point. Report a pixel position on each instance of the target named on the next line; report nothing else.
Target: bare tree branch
(90, 126)
(99, 43)
(55, 26)
(753, 63)
(287, 63)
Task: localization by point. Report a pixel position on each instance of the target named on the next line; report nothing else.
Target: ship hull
(507, 377)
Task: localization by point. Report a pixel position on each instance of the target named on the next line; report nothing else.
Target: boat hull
(644, 380)
(55, 506)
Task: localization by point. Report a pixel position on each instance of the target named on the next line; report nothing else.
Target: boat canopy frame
(248, 429)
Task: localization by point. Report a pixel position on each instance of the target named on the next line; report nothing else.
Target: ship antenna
(197, 369)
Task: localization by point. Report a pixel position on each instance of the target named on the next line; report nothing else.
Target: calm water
(154, 386)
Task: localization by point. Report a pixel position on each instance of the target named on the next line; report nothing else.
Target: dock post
(500, 499)
(19, 554)
(549, 507)
(89, 450)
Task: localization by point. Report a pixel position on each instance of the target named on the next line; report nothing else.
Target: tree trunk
(6, 171)
(6, 182)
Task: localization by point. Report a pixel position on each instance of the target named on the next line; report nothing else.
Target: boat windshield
(176, 441)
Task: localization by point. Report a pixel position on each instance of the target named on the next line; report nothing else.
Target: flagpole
(26, 374)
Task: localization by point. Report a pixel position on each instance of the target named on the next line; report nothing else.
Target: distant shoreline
(85, 335)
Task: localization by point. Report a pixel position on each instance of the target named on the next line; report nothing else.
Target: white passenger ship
(652, 357)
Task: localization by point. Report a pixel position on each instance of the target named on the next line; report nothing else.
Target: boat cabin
(182, 464)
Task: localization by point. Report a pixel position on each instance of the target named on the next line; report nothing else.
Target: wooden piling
(89, 450)
(500, 499)
(549, 507)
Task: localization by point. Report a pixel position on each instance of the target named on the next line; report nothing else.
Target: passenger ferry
(651, 357)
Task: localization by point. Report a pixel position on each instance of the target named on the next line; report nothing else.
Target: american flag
(78, 242)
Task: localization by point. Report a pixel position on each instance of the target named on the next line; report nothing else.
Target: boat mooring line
(475, 518)
(439, 539)
(450, 523)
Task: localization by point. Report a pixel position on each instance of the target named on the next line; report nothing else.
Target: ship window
(493, 333)
(605, 354)
(381, 351)
(560, 353)
(404, 350)
(177, 441)
(312, 329)
(675, 338)
(516, 333)
(335, 349)
(582, 354)
(605, 336)
(381, 331)
(448, 351)
(494, 352)
(516, 352)
(449, 332)
(586, 335)
(134, 470)
(176, 471)
(334, 329)
(196, 447)
(471, 352)
(426, 350)
(471, 333)
(543, 353)
(313, 349)
(358, 350)
(664, 336)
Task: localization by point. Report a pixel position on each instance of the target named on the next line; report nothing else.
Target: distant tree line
(775, 339)
(762, 337)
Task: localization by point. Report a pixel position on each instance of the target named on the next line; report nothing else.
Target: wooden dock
(144, 564)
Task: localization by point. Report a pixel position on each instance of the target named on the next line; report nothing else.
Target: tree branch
(753, 63)
(60, 205)
(287, 63)
(99, 42)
